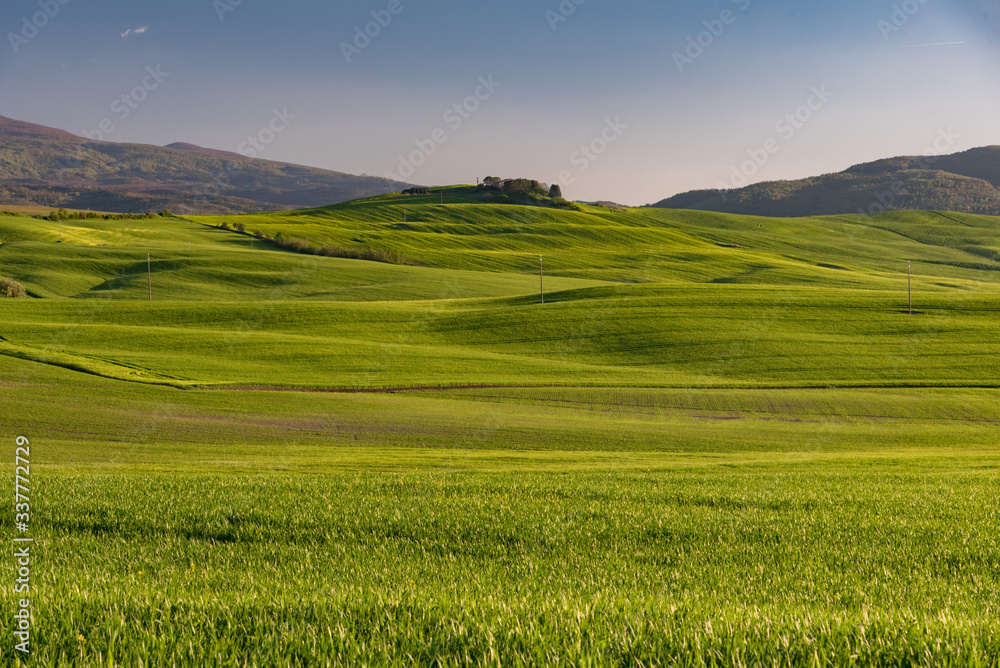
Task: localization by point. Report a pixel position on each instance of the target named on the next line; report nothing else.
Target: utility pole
(909, 286)
(442, 197)
(541, 278)
(149, 276)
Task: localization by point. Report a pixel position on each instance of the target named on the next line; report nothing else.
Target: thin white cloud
(135, 31)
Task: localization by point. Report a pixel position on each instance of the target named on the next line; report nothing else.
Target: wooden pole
(541, 278)
(149, 276)
(909, 286)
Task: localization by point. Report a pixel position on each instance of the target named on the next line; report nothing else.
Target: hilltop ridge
(966, 182)
(46, 166)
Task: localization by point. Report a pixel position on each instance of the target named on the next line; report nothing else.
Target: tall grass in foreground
(835, 562)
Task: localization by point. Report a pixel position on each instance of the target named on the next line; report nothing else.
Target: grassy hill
(967, 182)
(644, 297)
(723, 440)
(648, 245)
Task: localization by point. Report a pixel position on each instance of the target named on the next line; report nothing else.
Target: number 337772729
(22, 472)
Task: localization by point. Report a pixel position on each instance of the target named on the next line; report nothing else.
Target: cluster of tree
(63, 214)
(521, 186)
(298, 245)
(529, 189)
(417, 191)
(11, 288)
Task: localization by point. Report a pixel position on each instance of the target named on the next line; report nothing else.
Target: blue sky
(631, 101)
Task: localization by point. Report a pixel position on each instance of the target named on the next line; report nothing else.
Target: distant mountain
(967, 182)
(49, 167)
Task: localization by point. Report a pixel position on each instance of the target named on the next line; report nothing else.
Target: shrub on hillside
(560, 203)
(11, 288)
(297, 245)
(63, 214)
(240, 227)
(224, 225)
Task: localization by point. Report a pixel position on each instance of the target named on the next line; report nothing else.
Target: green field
(723, 440)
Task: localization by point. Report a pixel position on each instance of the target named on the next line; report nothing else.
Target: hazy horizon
(667, 99)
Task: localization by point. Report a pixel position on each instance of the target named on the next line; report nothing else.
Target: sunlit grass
(722, 441)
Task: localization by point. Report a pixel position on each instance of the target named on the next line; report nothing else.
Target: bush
(560, 203)
(240, 227)
(11, 288)
(224, 225)
(298, 245)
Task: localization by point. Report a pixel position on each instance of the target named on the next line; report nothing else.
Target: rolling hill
(645, 297)
(967, 182)
(49, 167)
(723, 440)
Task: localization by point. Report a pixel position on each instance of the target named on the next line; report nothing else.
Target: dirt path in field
(383, 390)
